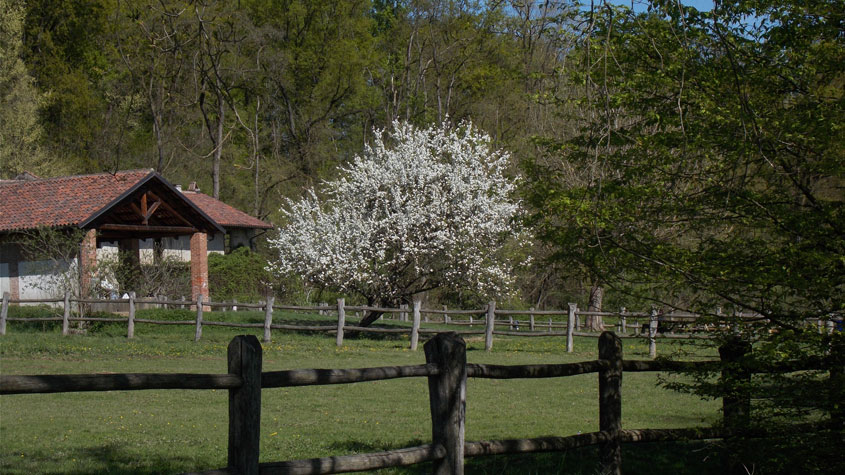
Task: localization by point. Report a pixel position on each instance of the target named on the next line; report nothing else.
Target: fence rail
(447, 371)
(645, 325)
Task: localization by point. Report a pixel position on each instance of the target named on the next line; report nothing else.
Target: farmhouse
(136, 212)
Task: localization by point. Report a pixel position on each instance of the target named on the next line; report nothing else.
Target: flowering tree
(419, 209)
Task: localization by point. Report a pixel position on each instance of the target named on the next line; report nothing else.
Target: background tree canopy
(691, 157)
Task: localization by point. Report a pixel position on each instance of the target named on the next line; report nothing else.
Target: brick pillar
(199, 266)
(14, 257)
(87, 260)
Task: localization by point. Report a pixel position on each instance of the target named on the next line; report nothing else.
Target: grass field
(173, 431)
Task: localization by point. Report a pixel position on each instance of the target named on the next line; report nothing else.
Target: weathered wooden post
(182, 307)
(445, 315)
(447, 398)
(341, 321)
(550, 324)
(570, 324)
(234, 305)
(130, 326)
(531, 319)
(610, 402)
(624, 321)
(652, 334)
(198, 333)
(66, 315)
(4, 312)
(837, 382)
(488, 330)
(470, 321)
(268, 318)
(245, 404)
(736, 401)
(415, 329)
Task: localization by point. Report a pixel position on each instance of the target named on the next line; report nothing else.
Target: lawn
(173, 431)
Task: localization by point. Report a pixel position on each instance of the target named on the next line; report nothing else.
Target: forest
(690, 157)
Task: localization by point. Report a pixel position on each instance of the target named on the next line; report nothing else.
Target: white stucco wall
(39, 279)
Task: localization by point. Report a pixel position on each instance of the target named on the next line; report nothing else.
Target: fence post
(182, 307)
(445, 315)
(610, 402)
(4, 312)
(198, 334)
(531, 319)
(550, 324)
(268, 318)
(652, 333)
(570, 324)
(341, 321)
(624, 321)
(491, 321)
(447, 399)
(66, 315)
(837, 382)
(736, 401)
(415, 328)
(245, 404)
(234, 305)
(130, 326)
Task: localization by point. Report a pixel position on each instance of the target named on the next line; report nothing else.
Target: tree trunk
(371, 316)
(594, 322)
(218, 152)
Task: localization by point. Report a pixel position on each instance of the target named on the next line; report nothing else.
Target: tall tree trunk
(218, 152)
(596, 296)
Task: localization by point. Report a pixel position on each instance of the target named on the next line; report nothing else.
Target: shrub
(239, 275)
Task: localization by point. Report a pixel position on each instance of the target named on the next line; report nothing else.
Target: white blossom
(419, 209)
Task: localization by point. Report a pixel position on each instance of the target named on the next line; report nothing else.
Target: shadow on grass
(653, 458)
(109, 458)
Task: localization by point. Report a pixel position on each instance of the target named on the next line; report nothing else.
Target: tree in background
(710, 174)
(20, 129)
(419, 209)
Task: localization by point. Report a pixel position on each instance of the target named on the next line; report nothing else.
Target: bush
(239, 275)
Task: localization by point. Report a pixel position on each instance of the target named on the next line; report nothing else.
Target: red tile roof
(71, 200)
(63, 201)
(225, 215)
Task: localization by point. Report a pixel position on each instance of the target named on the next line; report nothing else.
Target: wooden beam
(142, 228)
(152, 210)
(170, 208)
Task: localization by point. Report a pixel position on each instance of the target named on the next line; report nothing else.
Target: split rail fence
(644, 325)
(447, 372)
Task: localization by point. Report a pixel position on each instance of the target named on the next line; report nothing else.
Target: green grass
(172, 431)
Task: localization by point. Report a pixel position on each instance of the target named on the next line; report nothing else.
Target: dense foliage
(240, 275)
(707, 173)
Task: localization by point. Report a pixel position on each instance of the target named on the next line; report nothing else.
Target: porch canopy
(124, 206)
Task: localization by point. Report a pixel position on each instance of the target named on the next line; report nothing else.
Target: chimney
(193, 187)
(179, 188)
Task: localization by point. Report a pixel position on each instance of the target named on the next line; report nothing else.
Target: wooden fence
(644, 325)
(447, 371)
